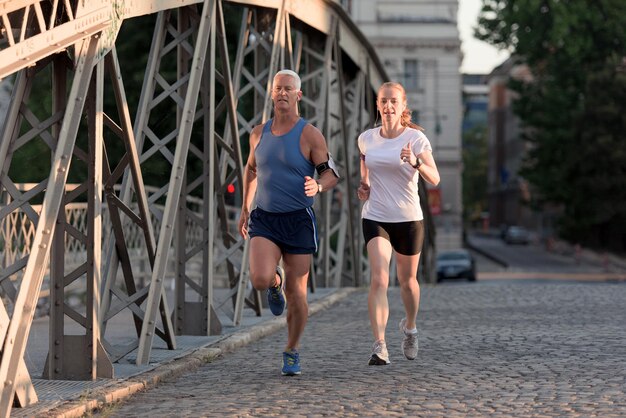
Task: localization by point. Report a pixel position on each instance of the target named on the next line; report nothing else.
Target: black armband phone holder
(330, 164)
(320, 168)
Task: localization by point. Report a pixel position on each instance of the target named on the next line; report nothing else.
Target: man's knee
(262, 281)
(295, 294)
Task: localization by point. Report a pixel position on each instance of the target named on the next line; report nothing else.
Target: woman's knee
(408, 283)
(379, 282)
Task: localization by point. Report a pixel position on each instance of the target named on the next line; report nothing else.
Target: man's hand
(243, 223)
(310, 186)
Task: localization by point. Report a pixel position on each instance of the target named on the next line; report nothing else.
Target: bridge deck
(55, 393)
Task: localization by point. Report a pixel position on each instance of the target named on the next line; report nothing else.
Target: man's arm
(318, 155)
(249, 182)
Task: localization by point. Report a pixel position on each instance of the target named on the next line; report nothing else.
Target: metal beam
(24, 390)
(21, 320)
(176, 179)
(41, 41)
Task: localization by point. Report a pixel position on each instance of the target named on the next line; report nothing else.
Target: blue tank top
(280, 170)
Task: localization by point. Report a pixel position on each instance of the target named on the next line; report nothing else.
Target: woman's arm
(363, 192)
(428, 168)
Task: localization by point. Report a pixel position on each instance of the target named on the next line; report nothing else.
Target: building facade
(509, 193)
(418, 42)
(475, 158)
(475, 101)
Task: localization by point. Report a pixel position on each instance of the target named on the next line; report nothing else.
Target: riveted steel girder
(19, 327)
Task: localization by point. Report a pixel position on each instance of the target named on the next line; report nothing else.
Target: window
(411, 75)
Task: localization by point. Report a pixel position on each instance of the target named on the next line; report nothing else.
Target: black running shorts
(406, 238)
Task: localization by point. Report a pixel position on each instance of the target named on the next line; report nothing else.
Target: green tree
(474, 172)
(572, 107)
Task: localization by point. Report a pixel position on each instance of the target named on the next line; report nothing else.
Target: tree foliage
(475, 168)
(573, 108)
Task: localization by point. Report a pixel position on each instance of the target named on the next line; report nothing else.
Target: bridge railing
(17, 232)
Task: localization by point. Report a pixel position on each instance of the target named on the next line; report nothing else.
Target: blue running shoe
(276, 295)
(291, 363)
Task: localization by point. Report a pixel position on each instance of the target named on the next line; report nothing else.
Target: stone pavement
(494, 348)
(75, 398)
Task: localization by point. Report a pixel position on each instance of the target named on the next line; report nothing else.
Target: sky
(478, 57)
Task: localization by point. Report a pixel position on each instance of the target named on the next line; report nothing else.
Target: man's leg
(264, 257)
(296, 276)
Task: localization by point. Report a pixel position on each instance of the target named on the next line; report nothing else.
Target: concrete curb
(117, 392)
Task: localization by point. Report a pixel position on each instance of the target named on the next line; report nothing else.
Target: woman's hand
(363, 192)
(407, 156)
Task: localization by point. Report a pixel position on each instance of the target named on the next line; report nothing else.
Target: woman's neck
(391, 130)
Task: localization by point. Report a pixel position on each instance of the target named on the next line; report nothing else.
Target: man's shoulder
(255, 134)
(311, 131)
(258, 129)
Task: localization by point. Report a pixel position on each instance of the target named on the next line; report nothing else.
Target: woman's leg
(409, 287)
(379, 254)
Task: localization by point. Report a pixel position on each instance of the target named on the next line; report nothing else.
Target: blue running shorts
(293, 232)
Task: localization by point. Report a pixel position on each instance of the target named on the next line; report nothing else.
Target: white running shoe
(380, 356)
(409, 344)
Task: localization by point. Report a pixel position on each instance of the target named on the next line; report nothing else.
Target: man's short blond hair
(293, 74)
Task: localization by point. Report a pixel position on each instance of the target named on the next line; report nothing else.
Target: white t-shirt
(393, 183)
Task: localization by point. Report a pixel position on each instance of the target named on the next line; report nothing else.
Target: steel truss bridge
(197, 105)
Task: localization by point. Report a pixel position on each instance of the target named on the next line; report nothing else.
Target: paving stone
(486, 349)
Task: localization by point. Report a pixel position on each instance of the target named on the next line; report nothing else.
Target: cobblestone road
(486, 349)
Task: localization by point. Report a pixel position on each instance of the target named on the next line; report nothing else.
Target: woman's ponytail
(405, 120)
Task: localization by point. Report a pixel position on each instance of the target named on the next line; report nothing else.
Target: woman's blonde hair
(405, 119)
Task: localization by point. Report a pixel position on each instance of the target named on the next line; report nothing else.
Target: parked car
(516, 235)
(455, 264)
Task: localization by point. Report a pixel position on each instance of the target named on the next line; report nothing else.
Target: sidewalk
(567, 261)
(76, 398)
